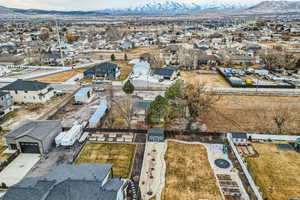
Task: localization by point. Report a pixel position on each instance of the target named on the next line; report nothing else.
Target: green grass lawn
(119, 155)
(18, 70)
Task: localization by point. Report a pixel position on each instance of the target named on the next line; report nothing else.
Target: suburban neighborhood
(185, 102)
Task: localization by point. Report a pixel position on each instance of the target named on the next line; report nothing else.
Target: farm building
(33, 136)
(104, 70)
(156, 135)
(239, 138)
(76, 182)
(84, 95)
(99, 114)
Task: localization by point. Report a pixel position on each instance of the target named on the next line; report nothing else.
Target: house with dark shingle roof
(71, 182)
(29, 91)
(104, 70)
(167, 73)
(33, 136)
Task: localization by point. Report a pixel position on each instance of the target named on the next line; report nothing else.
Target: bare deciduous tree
(126, 109)
(281, 116)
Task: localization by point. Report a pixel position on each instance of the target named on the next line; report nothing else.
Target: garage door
(29, 147)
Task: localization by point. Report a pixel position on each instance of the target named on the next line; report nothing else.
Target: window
(16, 91)
(25, 91)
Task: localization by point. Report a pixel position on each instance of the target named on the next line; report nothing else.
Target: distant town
(149, 107)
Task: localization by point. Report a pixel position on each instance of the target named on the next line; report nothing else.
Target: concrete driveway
(18, 168)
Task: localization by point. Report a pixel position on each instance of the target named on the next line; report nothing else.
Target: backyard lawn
(189, 174)
(119, 155)
(276, 172)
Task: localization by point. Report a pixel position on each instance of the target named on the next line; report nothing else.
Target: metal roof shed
(97, 116)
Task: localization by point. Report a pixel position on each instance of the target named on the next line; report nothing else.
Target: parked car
(99, 89)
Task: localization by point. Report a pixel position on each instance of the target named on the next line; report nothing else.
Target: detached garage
(33, 136)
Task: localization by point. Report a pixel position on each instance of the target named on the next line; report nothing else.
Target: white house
(29, 91)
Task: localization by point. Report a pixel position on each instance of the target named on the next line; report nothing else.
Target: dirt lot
(276, 172)
(120, 155)
(213, 80)
(125, 68)
(252, 114)
(60, 77)
(188, 173)
(27, 111)
(135, 52)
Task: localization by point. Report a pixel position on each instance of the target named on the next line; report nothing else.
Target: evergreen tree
(128, 87)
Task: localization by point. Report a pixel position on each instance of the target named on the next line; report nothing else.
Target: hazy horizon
(66, 5)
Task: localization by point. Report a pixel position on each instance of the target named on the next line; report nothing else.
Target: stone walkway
(153, 172)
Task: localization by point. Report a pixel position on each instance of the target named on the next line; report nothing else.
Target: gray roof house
(71, 182)
(33, 136)
(29, 91)
(104, 70)
(168, 73)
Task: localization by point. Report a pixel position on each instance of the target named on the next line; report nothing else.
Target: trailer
(99, 114)
(84, 95)
(72, 135)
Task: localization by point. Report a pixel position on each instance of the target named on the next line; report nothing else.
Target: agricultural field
(253, 114)
(119, 155)
(276, 171)
(135, 52)
(212, 80)
(60, 77)
(188, 173)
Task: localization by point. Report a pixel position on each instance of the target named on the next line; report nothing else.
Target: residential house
(33, 136)
(74, 182)
(24, 91)
(6, 103)
(104, 70)
(167, 73)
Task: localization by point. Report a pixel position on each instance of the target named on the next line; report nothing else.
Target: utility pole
(59, 43)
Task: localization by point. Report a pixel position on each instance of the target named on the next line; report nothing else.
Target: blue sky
(94, 4)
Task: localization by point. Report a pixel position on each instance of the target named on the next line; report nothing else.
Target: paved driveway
(18, 168)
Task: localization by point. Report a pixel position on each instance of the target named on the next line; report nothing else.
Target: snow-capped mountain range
(176, 7)
(169, 7)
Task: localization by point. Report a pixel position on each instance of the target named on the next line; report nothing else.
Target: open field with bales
(60, 77)
(188, 173)
(276, 172)
(253, 114)
(212, 80)
(119, 155)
